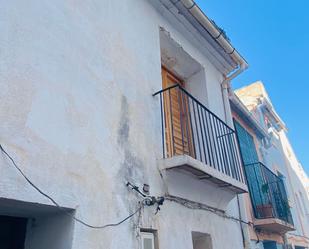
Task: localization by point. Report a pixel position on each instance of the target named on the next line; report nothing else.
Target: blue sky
(273, 36)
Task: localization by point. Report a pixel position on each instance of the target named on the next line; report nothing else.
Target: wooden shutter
(177, 124)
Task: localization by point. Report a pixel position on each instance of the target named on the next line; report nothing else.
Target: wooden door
(178, 132)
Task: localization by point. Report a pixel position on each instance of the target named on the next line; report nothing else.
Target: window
(271, 245)
(147, 240)
(201, 240)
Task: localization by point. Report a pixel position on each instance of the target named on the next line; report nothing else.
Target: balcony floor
(202, 172)
(273, 225)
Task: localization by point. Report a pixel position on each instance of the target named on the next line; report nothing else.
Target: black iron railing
(189, 128)
(267, 192)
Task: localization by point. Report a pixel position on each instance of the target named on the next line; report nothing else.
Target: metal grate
(267, 192)
(189, 128)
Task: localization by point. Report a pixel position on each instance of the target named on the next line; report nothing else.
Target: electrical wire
(108, 225)
(200, 206)
(63, 209)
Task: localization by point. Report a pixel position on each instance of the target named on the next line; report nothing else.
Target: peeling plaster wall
(78, 116)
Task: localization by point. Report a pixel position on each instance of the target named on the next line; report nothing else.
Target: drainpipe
(225, 44)
(226, 88)
(213, 30)
(285, 241)
(243, 216)
(219, 37)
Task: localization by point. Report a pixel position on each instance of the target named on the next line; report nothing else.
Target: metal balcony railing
(189, 128)
(267, 192)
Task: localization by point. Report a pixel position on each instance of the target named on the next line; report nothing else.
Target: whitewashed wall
(77, 114)
(297, 178)
(280, 157)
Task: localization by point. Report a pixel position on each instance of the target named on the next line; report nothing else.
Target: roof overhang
(269, 108)
(238, 107)
(189, 14)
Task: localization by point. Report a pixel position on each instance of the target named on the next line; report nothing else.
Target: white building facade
(276, 152)
(79, 119)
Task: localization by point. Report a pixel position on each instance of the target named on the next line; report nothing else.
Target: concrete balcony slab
(189, 178)
(273, 225)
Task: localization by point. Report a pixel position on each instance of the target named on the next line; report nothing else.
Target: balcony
(196, 141)
(269, 199)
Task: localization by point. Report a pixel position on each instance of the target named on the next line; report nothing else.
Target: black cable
(133, 187)
(27, 179)
(200, 206)
(107, 225)
(58, 206)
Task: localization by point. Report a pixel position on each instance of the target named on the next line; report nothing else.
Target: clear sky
(273, 36)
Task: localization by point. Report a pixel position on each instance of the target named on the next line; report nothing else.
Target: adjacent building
(276, 203)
